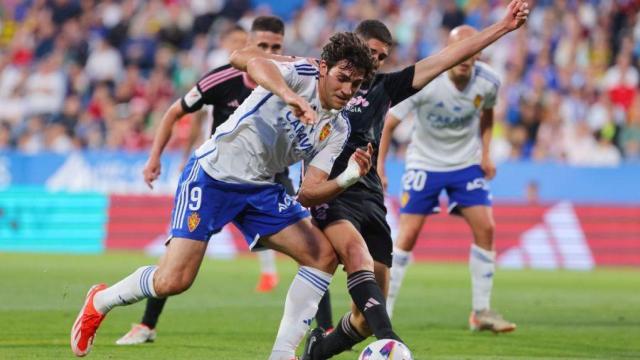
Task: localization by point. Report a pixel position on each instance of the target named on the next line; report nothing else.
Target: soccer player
(446, 153)
(225, 88)
(362, 238)
(354, 222)
(293, 115)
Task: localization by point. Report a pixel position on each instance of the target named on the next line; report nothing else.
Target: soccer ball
(386, 349)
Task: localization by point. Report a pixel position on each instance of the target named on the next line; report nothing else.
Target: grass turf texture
(560, 315)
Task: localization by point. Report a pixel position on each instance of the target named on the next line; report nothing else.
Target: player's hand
(300, 108)
(517, 13)
(488, 167)
(151, 171)
(363, 158)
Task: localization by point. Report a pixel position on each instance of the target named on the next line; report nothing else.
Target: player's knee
(355, 257)
(171, 284)
(484, 235)
(324, 258)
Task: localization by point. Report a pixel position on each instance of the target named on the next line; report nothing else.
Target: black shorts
(366, 211)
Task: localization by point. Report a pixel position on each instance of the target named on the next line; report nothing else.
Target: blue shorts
(203, 205)
(421, 190)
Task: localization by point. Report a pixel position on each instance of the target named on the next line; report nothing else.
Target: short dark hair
(231, 29)
(348, 46)
(374, 29)
(268, 23)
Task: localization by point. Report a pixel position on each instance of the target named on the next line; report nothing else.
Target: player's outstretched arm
(151, 169)
(240, 58)
(390, 125)
(316, 189)
(266, 74)
(430, 67)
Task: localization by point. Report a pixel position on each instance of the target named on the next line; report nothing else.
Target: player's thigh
(179, 265)
(409, 228)
(305, 243)
(350, 245)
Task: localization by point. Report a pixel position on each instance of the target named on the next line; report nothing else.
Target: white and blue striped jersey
(262, 137)
(446, 133)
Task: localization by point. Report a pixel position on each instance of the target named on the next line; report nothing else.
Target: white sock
(267, 262)
(300, 307)
(482, 265)
(129, 290)
(401, 261)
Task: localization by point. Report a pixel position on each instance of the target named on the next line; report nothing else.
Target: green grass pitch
(560, 315)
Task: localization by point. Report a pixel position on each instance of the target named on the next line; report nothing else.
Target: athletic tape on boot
(350, 175)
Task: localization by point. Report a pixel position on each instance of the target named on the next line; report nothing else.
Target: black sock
(324, 319)
(367, 296)
(152, 311)
(343, 338)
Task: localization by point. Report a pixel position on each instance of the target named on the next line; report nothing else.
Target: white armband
(350, 175)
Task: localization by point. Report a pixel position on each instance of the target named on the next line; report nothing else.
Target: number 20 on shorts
(414, 180)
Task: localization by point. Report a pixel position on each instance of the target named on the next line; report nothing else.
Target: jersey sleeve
(207, 89)
(402, 110)
(398, 85)
(297, 73)
(492, 80)
(491, 98)
(325, 159)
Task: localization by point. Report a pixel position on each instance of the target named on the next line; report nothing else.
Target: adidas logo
(557, 242)
(371, 303)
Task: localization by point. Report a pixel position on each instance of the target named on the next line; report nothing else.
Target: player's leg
(178, 267)
(470, 197)
(351, 329)
(324, 316)
(268, 274)
(174, 274)
(309, 247)
(482, 267)
(408, 230)
(419, 199)
(145, 331)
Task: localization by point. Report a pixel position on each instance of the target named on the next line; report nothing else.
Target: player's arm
(316, 189)
(240, 58)
(195, 132)
(163, 134)
(486, 131)
(430, 67)
(390, 125)
(266, 74)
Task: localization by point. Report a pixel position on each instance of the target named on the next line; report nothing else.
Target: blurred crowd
(87, 74)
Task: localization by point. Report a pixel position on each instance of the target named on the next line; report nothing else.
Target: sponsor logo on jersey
(404, 199)
(357, 103)
(477, 101)
(234, 103)
(297, 131)
(192, 97)
(326, 130)
(193, 221)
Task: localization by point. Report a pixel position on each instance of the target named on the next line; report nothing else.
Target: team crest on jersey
(326, 130)
(477, 101)
(193, 221)
(404, 199)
